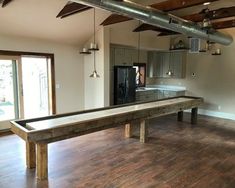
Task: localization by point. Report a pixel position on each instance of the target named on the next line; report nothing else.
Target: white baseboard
(217, 114)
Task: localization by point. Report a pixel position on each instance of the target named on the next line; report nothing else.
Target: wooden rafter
(115, 18)
(166, 6)
(213, 14)
(5, 2)
(72, 8)
(146, 27)
(216, 25)
(224, 24)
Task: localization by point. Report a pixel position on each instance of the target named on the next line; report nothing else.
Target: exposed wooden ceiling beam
(166, 6)
(213, 14)
(224, 24)
(171, 5)
(5, 2)
(216, 25)
(72, 8)
(147, 27)
(115, 18)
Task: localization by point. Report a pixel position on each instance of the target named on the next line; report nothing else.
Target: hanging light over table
(94, 47)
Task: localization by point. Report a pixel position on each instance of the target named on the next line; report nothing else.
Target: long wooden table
(39, 132)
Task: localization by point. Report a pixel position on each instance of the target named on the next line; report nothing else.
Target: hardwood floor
(176, 155)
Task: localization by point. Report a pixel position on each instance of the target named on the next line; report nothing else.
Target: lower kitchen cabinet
(157, 95)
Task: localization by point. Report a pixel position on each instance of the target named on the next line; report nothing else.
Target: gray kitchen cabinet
(126, 56)
(112, 58)
(159, 64)
(128, 59)
(178, 62)
(150, 95)
(155, 64)
(143, 56)
(121, 56)
(166, 64)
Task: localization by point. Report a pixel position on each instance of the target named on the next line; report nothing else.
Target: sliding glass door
(25, 88)
(35, 86)
(9, 103)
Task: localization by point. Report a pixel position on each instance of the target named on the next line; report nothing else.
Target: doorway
(35, 86)
(26, 88)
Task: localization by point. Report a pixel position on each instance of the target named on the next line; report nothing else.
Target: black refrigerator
(124, 84)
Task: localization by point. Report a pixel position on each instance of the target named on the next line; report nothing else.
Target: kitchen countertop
(162, 88)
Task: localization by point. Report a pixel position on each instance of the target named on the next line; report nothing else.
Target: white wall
(68, 69)
(214, 80)
(96, 89)
(123, 34)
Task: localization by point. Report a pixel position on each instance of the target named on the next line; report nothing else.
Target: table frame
(37, 140)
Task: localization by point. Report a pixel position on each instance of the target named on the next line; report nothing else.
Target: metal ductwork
(158, 18)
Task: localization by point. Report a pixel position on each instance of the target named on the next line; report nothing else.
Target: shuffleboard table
(39, 132)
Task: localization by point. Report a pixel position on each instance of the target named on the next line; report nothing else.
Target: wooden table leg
(30, 155)
(180, 116)
(129, 130)
(42, 161)
(143, 131)
(194, 116)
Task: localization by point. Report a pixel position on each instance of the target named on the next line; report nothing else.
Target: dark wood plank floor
(177, 155)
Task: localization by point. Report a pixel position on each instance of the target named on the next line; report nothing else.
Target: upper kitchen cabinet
(155, 64)
(160, 63)
(178, 63)
(126, 56)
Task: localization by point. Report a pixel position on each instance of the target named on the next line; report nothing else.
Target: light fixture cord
(139, 44)
(94, 41)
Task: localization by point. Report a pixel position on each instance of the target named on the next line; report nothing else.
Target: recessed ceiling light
(206, 3)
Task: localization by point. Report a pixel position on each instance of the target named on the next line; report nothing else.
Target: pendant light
(170, 72)
(138, 52)
(94, 48)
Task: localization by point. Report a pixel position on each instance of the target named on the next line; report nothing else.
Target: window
(140, 74)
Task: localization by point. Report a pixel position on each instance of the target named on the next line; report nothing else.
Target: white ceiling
(37, 19)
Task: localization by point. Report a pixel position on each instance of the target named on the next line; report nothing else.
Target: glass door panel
(35, 87)
(8, 91)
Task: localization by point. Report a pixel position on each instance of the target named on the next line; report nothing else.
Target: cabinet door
(165, 64)
(150, 65)
(155, 64)
(128, 57)
(119, 56)
(159, 60)
(143, 56)
(134, 54)
(178, 61)
(112, 58)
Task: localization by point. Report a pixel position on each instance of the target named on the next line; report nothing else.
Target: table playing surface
(81, 118)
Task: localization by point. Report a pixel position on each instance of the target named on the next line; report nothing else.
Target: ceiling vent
(194, 45)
